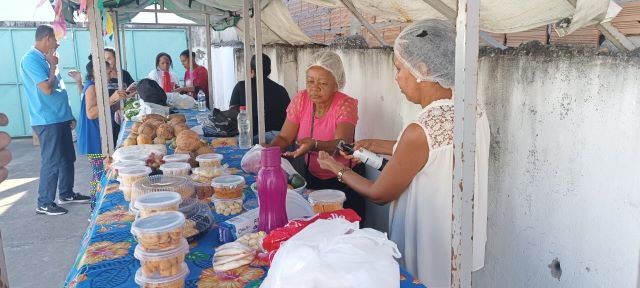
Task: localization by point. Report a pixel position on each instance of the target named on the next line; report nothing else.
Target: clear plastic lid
(143, 255)
(215, 199)
(176, 158)
(158, 223)
(210, 157)
(327, 196)
(158, 200)
(227, 181)
(135, 171)
(133, 157)
(128, 164)
(175, 166)
(142, 279)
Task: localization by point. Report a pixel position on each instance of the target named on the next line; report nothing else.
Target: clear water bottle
(202, 101)
(244, 138)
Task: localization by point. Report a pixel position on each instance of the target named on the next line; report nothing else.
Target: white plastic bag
(335, 253)
(180, 101)
(150, 108)
(250, 162)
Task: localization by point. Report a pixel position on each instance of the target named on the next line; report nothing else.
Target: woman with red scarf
(162, 74)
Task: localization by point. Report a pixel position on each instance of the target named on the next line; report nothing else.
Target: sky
(24, 10)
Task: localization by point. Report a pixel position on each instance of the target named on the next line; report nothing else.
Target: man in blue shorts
(52, 121)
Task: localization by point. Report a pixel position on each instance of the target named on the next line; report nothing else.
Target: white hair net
(331, 62)
(427, 49)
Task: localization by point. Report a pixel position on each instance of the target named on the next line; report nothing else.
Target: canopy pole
(450, 14)
(210, 77)
(116, 46)
(257, 21)
(191, 59)
(247, 63)
(372, 30)
(100, 72)
(124, 48)
(464, 141)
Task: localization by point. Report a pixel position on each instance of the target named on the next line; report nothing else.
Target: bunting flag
(83, 6)
(59, 23)
(38, 6)
(108, 31)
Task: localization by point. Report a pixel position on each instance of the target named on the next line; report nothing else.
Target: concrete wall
(564, 163)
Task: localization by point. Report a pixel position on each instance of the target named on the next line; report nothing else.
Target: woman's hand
(305, 146)
(329, 163)
(75, 75)
(132, 89)
(117, 96)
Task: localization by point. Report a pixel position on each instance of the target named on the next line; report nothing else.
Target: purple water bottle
(272, 185)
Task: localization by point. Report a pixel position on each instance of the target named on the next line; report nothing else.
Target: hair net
(427, 49)
(331, 62)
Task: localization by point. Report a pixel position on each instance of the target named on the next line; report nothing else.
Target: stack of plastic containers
(129, 177)
(161, 249)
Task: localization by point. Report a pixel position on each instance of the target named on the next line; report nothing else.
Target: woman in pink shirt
(317, 119)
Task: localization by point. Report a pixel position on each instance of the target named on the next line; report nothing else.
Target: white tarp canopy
(497, 16)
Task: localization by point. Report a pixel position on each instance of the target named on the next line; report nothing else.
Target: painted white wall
(564, 163)
(224, 78)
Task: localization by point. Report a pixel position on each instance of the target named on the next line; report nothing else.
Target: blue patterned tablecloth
(106, 256)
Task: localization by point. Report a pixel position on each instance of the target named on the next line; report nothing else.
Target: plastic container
(159, 232)
(272, 182)
(227, 207)
(163, 263)
(129, 176)
(228, 186)
(210, 160)
(128, 164)
(207, 174)
(326, 200)
(203, 191)
(180, 169)
(176, 158)
(126, 191)
(176, 281)
(157, 202)
(199, 222)
(158, 183)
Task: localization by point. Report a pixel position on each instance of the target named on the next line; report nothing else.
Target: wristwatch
(341, 173)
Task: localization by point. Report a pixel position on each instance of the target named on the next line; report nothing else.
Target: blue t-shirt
(43, 109)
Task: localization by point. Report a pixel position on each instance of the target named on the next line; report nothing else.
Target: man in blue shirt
(52, 121)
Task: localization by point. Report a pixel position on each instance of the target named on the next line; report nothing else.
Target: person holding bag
(317, 119)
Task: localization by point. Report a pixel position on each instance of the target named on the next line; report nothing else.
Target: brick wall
(323, 24)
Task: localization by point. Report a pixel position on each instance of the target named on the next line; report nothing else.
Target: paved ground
(39, 250)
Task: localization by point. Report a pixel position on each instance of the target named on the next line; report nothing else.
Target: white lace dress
(420, 220)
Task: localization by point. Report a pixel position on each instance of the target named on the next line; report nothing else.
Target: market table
(106, 256)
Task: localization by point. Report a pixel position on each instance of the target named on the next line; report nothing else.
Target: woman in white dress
(163, 72)
(417, 180)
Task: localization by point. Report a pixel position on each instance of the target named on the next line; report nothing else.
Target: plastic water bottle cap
(243, 108)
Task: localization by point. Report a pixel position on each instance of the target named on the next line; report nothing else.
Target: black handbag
(222, 123)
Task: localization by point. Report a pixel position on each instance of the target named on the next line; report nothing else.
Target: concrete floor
(39, 250)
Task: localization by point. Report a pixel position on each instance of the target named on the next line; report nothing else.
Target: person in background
(319, 117)
(418, 178)
(127, 81)
(196, 80)
(276, 101)
(88, 136)
(5, 154)
(163, 75)
(52, 121)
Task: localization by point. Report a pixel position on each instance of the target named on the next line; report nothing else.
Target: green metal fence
(142, 46)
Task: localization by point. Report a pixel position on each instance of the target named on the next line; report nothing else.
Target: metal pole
(156, 12)
(247, 63)
(191, 59)
(124, 48)
(210, 77)
(259, 71)
(464, 141)
(370, 28)
(116, 44)
(100, 71)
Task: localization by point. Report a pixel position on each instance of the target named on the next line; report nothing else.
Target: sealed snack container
(176, 281)
(326, 200)
(210, 160)
(115, 167)
(203, 190)
(228, 186)
(228, 207)
(157, 183)
(126, 191)
(198, 223)
(159, 232)
(129, 176)
(162, 263)
(207, 174)
(176, 158)
(157, 202)
(176, 169)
